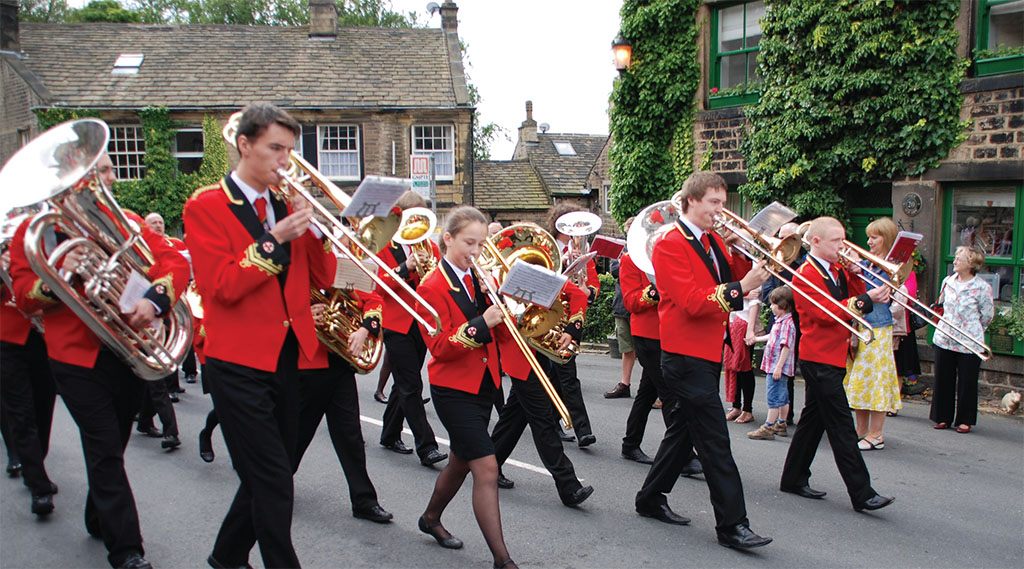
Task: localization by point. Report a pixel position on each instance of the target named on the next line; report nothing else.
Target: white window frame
(444, 159)
(607, 189)
(178, 154)
(564, 148)
(348, 154)
(129, 164)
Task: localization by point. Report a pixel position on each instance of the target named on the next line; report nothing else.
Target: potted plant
(1007, 327)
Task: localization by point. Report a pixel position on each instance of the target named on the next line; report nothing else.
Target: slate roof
(565, 175)
(507, 185)
(226, 66)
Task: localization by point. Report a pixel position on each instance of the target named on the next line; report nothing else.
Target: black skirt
(466, 417)
(907, 360)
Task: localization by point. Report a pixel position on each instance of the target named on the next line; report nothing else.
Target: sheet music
(533, 284)
(771, 218)
(580, 264)
(349, 277)
(608, 246)
(903, 247)
(134, 290)
(376, 195)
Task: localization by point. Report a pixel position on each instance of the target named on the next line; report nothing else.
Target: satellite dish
(432, 7)
(544, 127)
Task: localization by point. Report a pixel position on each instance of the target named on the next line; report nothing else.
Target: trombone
(341, 200)
(510, 323)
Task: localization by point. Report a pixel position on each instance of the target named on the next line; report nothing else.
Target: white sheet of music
(134, 290)
(580, 264)
(533, 284)
(349, 277)
(771, 218)
(376, 195)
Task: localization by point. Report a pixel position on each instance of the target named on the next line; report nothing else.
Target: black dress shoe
(375, 514)
(174, 396)
(170, 442)
(637, 455)
(663, 513)
(13, 468)
(433, 457)
(505, 482)
(450, 542)
(42, 504)
(566, 437)
(212, 562)
(149, 431)
(804, 491)
(205, 446)
(397, 446)
(135, 561)
(692, 468)
(739, 536)
(587, 440)
(190, 378)
(380, 397)
(875, 502)
(578, 496)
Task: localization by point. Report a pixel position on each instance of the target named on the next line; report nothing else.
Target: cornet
(418, 224)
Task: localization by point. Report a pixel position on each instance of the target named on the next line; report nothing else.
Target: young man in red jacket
(824, 343)
(694, 273)
(255, 259)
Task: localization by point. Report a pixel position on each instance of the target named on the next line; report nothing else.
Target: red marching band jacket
(513, 362)
(822, 339)
(695, 304)
(14, 327)
(464, 348)
(369, 305)
(640, 298)
(68, 339)
(398, 319)
(238, 267)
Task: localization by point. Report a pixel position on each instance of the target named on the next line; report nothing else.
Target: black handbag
(916, 322)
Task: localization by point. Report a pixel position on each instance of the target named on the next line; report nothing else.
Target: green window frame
(722, 92)
(989, 59)
(1004, 253)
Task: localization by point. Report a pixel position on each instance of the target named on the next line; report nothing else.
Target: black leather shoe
(380, 397)
(804, 492)
(663, 513)
(450, 542)
(433, 457)
(579, 496)
(587, 440)
(374, 514)
(740, 537)
(566, 437)
(149, 431)
(505, 482)
(13, 468)
(190, 378)
(135, 561)
(205, 446)
(42, 504)
(637, 455)
(212, 562)
(875, 502)
(174, 396)
(620, 390)
(170, 442)
(53, 488)
(397, 446)
(692, 468)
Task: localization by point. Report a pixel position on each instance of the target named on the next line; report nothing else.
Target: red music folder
(903, 247)
(608, 246)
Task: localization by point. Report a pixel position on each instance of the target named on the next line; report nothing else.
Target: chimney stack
(528, 130)
(449, 21)
(9, 39)
(323, 20)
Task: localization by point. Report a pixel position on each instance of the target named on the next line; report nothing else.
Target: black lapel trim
(397, 252)
(695, 243)
(468, 307)
(833, 289)
(243, 210)
(725, 275)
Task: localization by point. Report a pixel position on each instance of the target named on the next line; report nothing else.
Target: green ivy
(854, 92)
(600, 321)
(1000, 51)
(652, 113)
(51, 117)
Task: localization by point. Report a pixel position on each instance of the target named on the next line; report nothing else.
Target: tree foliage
(854, 92)
(651, 118)
(109, 11)
(42, 10)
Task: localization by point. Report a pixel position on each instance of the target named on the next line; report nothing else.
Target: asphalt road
(958, 501)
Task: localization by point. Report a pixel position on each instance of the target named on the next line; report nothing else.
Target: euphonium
(578, 225)
(418, 224)
(341, 318)
(58, 168)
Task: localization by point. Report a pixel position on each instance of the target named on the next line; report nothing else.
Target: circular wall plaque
(911, 204)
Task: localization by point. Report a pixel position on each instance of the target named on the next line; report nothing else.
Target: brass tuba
(341, 319)
(418, 224)
(578, 225)
(58, 168)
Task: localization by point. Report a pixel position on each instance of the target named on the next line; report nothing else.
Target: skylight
(565, 148)
(128, 64)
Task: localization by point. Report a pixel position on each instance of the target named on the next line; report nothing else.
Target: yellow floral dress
(871, 381)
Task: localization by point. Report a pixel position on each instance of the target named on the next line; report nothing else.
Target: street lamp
(623, 52)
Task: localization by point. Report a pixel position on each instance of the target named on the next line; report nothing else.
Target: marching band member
(824, 367)
(100, 391)
(155, 221)
(695, 275)
(255, 259)
(464, 377)
(406, 350)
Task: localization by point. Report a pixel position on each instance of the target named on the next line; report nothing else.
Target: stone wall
(998, 376)
(16, 118)
(997, 129)
(720, 132)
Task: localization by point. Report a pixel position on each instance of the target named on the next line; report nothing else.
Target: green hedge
(600, 321)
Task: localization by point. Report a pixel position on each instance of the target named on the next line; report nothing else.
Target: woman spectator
(967, 301)
(872, 385)
(908, 362)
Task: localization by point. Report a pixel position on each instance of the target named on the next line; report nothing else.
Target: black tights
(485, 499)
(211, 421)
(744, 391)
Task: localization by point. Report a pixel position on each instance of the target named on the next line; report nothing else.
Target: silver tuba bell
(58, 168)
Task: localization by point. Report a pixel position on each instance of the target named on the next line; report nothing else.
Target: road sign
(419, 166)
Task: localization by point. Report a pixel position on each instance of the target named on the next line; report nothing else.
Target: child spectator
(778, 364)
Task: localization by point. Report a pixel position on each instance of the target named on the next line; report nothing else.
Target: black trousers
(567, 384)
(956, 379)
(103, 400)
(826, 410)
(158, 402)
(332, 393)
(27, 393)
(648, 353)
(406, 353)
(528, 404)
(695, 420)
(258, 412)
(189, 365)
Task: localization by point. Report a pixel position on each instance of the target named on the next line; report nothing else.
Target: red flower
(714, 90)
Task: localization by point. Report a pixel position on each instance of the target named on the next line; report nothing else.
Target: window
(436, 141)
(127, 64)
(1000, 43)
(607, 201)
(564, 148)
(189, 149)
(127, 148)
(338, 147)
(736, 33)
